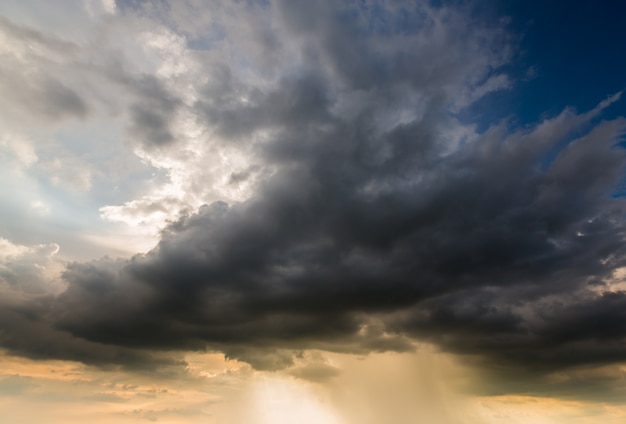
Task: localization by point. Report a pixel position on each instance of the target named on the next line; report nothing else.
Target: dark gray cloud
(28, 330)
(31, 83)
(152, 113)
(468, 260)
(374, 228)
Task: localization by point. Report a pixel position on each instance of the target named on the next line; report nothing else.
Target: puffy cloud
(29, 269)
(468, 257)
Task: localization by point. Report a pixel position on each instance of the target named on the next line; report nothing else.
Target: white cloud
(20, 148)
(40, 207)
(109, 6)
(29, 269)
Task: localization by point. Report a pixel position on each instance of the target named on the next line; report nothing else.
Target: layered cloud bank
(314, 187)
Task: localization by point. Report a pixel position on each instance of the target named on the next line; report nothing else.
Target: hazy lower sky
(334, 211)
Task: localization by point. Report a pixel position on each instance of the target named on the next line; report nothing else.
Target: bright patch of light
(20, 147)
(109, 6)
(41, 208)
(285, 401)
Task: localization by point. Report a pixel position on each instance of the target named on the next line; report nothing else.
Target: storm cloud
(370, 223)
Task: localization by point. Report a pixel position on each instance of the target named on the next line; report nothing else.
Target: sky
(340, 211)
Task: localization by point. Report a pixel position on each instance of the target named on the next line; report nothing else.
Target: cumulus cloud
(342, 209)
(29, 269)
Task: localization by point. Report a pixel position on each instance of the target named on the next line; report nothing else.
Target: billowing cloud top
(315, 188)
